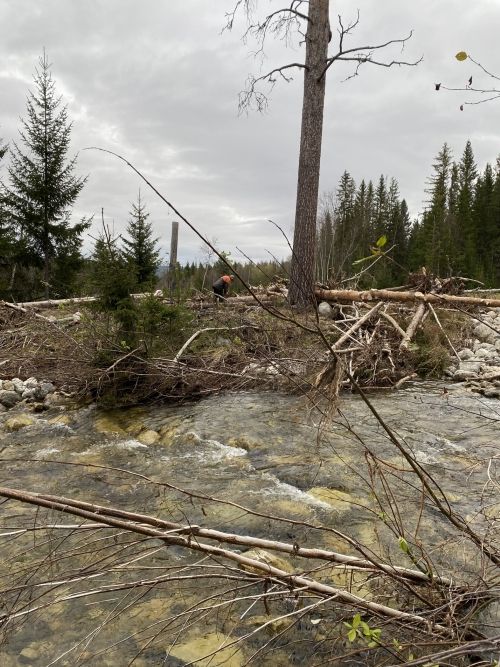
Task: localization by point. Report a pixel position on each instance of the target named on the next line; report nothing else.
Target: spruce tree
(485, 223)
(435, 233)
(380, 212)
(346, 238)
(140, 248)
(43, 186)
(496, 242)
(362, 215)
(324, 261)
(6, 232)
(465, 221)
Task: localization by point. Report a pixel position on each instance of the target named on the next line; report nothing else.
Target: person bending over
(221, 287)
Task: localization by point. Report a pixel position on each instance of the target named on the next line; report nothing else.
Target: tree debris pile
(376, 338)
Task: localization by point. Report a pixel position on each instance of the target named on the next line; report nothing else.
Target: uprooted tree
(314, 26)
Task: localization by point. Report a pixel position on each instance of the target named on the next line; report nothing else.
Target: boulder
(9, 398)
(325, 310)
(28, 394)
(44, 389)
(465, 354)
(462, 374)
(148, 437)
(18, 385)
(491, 393)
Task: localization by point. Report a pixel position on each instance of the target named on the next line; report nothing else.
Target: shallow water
(272, 453)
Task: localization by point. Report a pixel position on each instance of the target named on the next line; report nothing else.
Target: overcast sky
(158, 82)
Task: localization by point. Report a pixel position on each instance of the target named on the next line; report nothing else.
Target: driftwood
(404, 297)
(412, 327)
(321, 295)
(185, 536)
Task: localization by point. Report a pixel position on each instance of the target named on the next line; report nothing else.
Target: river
(274, 454)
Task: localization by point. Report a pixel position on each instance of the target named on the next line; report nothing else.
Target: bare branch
(364, 54)
(251, 95)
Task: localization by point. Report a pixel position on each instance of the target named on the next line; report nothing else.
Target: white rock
(325, 310)
(28, 393)
(18, 385)
(466, 354)
(462, 374)
(31, 383)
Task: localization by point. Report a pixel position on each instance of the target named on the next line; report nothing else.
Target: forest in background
(363, 230)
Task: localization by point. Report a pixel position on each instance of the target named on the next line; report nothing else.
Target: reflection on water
(269, 452)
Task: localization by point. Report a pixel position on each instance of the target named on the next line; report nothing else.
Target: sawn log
(404, 297)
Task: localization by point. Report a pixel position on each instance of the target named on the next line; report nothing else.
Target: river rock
(487, 622)
(18, 385)
(8, 385)
(18, 422)
(29, 394)
(325, 310)
(491, 393)
(462, 374)
(148, 437)
(44, 389)
(485, 333)
(465, 354)
(9, 398)
(31, 383)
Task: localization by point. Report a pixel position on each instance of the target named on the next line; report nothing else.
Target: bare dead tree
(314, 28)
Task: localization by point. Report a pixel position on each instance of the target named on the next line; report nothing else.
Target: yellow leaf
(461, 55)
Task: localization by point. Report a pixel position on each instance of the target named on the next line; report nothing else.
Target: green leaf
(403, 545)
(351, 635)
(461, 56)
(366, 629)
(372, 644)
(356, 621)
(381, 241)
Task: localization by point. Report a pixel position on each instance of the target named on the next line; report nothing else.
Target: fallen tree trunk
(404, 297)
(176, 536)
(410, 332)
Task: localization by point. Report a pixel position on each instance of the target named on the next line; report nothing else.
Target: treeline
(457, 234)
(363, 230)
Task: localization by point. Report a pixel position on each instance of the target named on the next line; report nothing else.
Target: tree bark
(404, 297)
(301, 291)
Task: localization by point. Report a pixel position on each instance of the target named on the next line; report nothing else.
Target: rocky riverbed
(479, 360)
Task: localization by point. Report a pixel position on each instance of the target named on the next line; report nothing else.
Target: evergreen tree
(6, 232)
(113, 282)
(140, 249)
(362, 214)
(485, 224)
(435, 233)
(466, 228)
(324, 260)
(495, 250)
(43, 186)
(346, 237)
(398, 232)
(380, 212)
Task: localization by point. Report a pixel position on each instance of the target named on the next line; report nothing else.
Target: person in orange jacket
(221, 287)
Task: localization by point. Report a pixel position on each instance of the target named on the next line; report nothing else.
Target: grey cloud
(158, 83)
